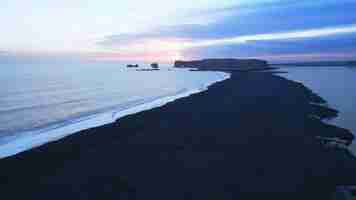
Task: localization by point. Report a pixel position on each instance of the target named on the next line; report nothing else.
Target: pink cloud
(158, 56)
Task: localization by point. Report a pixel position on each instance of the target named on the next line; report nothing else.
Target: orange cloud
(149, 49)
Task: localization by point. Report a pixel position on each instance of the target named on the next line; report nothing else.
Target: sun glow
(172, 48)
(163, 50)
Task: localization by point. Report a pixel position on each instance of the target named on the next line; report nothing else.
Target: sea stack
(352, 63)
(132, 66)
(155, 66)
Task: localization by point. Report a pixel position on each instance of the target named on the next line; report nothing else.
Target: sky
(164, 31)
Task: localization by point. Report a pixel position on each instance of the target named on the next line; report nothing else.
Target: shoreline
(27, 140)
(334, 100)
(229, 141)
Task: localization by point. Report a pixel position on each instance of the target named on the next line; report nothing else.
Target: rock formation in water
(352, 63)
(132, 66)
(155, 65)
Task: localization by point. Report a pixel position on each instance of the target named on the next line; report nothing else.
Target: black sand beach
(250, 137)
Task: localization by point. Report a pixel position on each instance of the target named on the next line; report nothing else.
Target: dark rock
(323, 112)
(242, 64)
(352, 63)
(132, 66)
(155, 65)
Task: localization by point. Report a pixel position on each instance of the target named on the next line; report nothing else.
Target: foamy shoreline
(31, 139)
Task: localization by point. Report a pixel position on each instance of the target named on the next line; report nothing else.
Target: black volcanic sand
(249, 137)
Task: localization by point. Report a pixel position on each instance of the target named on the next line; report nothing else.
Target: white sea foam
(20, 142)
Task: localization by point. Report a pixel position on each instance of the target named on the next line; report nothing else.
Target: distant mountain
(320, 64)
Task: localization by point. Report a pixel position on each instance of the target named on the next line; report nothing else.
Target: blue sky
(277, 30)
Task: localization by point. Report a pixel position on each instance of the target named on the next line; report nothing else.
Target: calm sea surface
(43, 102)
(36, 99)
(337, 85)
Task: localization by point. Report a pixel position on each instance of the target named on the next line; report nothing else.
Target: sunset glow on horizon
(140, 31)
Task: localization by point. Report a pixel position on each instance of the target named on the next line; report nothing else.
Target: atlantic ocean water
(43, 102)
(335, 85)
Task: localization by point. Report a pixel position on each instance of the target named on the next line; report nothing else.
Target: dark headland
(225, 64)
(254, 136)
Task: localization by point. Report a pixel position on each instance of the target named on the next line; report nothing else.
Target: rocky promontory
(224, 64)
(253, 136)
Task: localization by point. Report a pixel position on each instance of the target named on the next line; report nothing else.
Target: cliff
(224, 64)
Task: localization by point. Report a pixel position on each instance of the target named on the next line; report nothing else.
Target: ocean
(43, 102)
(336, 85)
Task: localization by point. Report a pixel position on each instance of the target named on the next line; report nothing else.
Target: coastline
(227, 141)
(27, 140)
(331, 92)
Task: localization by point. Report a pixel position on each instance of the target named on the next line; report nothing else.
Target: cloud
(270, 28)
(248, 41)
(281, 16)
(301, 34)
(40, 57)
(4, 52)
(327, 47)
(182, 32)
(251, 19)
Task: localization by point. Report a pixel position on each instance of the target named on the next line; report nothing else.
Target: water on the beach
(336, 85)
(40, 102)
